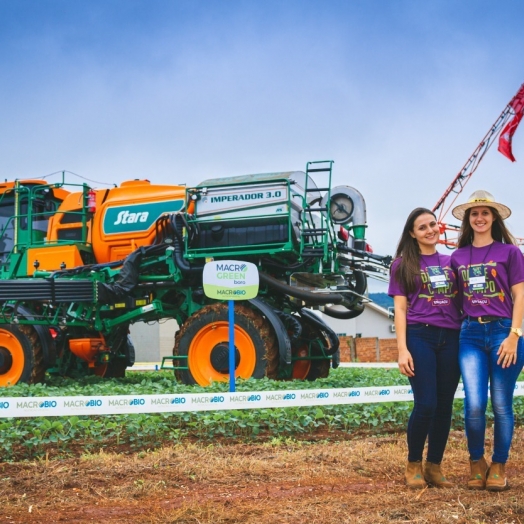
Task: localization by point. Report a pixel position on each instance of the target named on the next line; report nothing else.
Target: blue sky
(397, 93)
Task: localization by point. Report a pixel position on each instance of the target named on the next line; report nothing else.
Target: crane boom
(458, 183)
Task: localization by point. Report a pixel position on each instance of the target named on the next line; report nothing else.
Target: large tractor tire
(204, 340)
(319, 368)
(312, 341)
(21, 358)
(116, 368)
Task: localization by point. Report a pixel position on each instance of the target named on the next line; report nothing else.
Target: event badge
(437, 277)
(477, 277)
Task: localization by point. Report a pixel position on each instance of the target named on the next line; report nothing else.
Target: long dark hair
(408, 252)
(499, 231)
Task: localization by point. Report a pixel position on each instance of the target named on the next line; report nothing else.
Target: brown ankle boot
(414, 476)
(479, 470)
(496, 480)
(435, 477)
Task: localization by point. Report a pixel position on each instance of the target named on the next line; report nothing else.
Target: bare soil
(347, 479)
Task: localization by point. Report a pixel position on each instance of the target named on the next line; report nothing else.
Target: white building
(154, 340)
(375, 321)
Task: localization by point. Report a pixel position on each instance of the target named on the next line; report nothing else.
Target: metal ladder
(318, 235)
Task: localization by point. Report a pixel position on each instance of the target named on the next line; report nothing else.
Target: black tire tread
(38, 371)
(262, 326)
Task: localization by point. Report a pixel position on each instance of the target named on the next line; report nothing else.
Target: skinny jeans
(478, 357)
(435, 358)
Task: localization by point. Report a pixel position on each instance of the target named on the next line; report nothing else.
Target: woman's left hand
(508, 351)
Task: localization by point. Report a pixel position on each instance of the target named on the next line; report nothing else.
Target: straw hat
(481, 198)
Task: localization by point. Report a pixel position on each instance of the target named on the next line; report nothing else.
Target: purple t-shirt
(493, 269)
(435, 299)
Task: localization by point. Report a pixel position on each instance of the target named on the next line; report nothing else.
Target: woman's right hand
(405, 363)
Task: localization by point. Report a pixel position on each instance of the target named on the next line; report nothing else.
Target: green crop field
(28, 438)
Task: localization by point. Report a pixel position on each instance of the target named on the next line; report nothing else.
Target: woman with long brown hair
(490, 270)
(427, 322)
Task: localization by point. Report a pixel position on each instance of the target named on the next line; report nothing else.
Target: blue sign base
(231, 346)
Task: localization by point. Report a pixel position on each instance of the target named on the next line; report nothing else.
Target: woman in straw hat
(427, 322)
(490, 270)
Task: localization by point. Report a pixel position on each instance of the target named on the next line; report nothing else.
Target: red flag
(506, 135)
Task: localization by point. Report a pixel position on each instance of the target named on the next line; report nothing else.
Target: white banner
(121, 404)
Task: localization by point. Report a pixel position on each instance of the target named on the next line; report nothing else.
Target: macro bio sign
(230, 280)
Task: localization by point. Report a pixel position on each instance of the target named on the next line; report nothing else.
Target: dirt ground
(346, 479)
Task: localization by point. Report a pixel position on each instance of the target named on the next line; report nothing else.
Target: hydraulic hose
(306, 296)
(292, 324)
(129, 274)
(344, 314)
(180, 261)
(334, 342)
(350, 308)
(385, 260)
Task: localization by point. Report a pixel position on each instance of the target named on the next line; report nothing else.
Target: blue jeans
(478, 357)
(437, 373)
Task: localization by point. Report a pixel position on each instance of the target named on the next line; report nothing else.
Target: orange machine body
(59, 193)
(124, 218)
(88, 349)
(16, 229)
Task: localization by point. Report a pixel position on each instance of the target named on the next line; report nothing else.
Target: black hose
(127, 279)
(351, 305)
(344, 314)
(160, 230)
(312, 319)
(177, 230)
(306, 296)
(292, 324)
(386, 260)
(129, 275)
(361, 282)
(180, 261)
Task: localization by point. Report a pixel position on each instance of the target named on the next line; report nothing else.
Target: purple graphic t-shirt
(485, 276)
(435, 299)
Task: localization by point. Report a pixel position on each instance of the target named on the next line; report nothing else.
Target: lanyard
(485, 256)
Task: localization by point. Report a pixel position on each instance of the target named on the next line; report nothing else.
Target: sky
(398, 93)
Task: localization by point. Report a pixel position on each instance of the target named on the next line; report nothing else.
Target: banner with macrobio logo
(123, 404)
(230, 280)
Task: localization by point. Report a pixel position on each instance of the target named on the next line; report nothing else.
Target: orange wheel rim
(301, 367)
(12, 359)
(213, 338)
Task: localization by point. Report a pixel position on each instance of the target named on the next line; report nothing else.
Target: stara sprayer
(79, 265)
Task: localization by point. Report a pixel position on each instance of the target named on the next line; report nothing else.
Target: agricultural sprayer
(79, 265)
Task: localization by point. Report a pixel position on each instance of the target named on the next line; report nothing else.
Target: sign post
(230, 280)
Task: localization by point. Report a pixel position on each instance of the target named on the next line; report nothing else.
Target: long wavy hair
(499, 231)
(408, 251)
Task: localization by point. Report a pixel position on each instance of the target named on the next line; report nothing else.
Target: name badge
(437, 277)
(477, 277)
